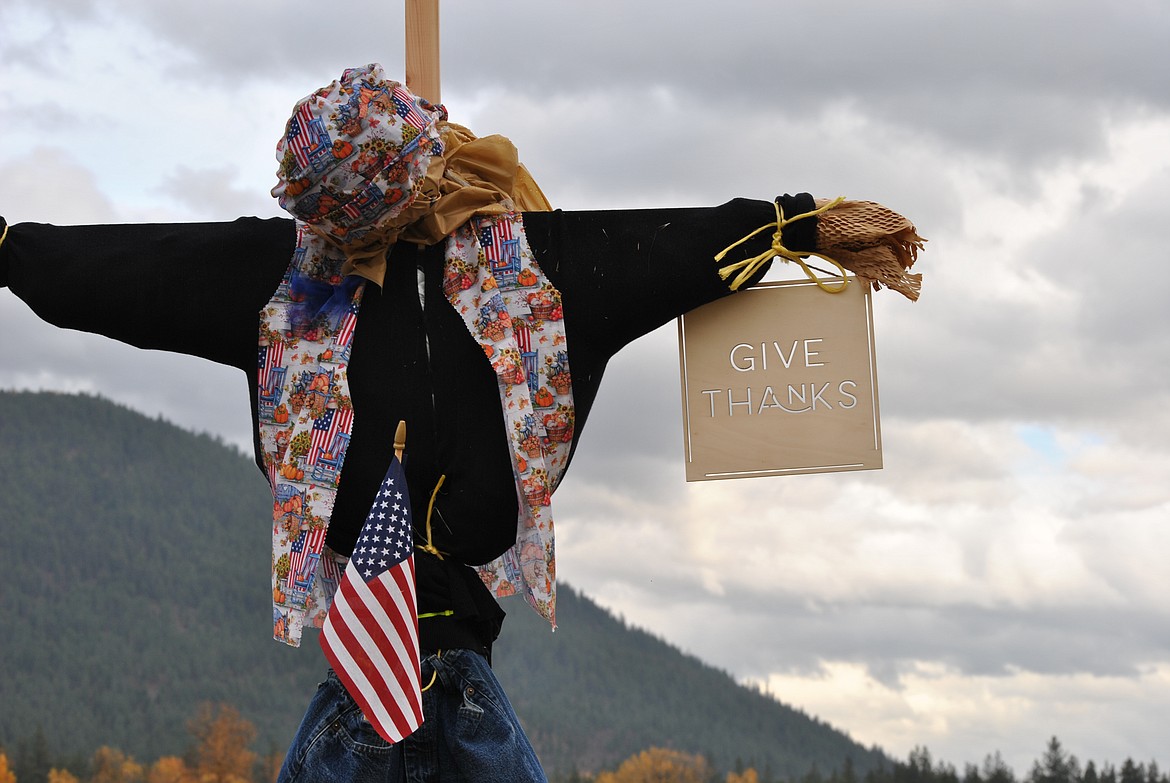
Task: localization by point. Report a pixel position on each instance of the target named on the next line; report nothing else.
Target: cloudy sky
(1003, 578)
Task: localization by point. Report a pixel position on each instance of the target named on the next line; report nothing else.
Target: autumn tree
(170, 769)
(749, 775)
(6, 775)
(111, 765)
(270, 766)
(659, 765)
(222, 754)
(61, 776)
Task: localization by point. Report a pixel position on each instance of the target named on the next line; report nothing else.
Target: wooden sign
(780, 379)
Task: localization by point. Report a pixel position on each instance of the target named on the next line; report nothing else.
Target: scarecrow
(423, 278)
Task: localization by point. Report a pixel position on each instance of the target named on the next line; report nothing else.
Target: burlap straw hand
(874, 242)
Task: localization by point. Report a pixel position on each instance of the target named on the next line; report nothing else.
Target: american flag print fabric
(303, 551)
(301, 139)
(325, 430)
(306, 418)
(405, 106)
(515, 313)
(268, 359)
(370, 636)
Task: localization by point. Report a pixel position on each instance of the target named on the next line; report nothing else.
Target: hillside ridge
(134, 572)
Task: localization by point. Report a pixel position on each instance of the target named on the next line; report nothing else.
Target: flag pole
(422, 49)
(400, 440)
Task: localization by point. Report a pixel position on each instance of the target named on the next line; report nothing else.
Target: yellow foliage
(62, 776)
(659, 765)
(6, 775)
(111, 765)
(222, 755)
(749, 775)
(170, 769)
(270, 767)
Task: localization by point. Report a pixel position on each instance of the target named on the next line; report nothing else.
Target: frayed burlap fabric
(874, 242)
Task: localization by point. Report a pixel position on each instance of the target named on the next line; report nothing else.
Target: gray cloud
(973, 75)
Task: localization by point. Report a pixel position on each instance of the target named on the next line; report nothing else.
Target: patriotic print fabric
(370, 636)
(351, 157)
(515, 313)
(353, 153)
(306, 418)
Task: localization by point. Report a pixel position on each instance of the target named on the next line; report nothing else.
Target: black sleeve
(623, 273)
(193, 288)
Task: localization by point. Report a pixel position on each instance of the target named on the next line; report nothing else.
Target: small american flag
(267, 361)
(405, 108)
(370, 636)
(300, 134)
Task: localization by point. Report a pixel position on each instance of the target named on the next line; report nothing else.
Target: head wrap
(353, 157)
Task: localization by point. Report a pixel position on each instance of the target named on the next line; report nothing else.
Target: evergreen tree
(1056, 766)
(1090, 774)
(1132, 773)
(32, 757)
(996, 770)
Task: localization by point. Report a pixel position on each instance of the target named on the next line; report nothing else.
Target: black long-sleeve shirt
(198, 289)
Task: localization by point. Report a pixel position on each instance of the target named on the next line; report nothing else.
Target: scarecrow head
(353, 155)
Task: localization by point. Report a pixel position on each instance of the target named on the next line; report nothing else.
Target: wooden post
(422, 49)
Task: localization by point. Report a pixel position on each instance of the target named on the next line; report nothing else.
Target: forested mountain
(134, 561)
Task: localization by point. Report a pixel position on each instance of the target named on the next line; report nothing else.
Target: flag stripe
(363, 670)
(379, 610)
(370, 635)
(366, 693)
(404, 642)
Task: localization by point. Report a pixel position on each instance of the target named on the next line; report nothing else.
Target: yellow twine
(748, 267)
(428, 546)
(434, 674)
(4, 235)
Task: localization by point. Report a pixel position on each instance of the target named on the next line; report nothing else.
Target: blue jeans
(469, 733)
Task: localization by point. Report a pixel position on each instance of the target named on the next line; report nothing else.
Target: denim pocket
(336, 743)
(358, 734)
(469, 715)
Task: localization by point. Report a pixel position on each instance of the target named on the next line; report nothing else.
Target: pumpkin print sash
(306, 414)
(492, 279)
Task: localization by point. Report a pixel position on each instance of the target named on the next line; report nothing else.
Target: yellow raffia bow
(749, 266)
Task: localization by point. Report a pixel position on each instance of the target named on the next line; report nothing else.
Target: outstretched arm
(193, 288)
(623, 273)
(196, 288)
